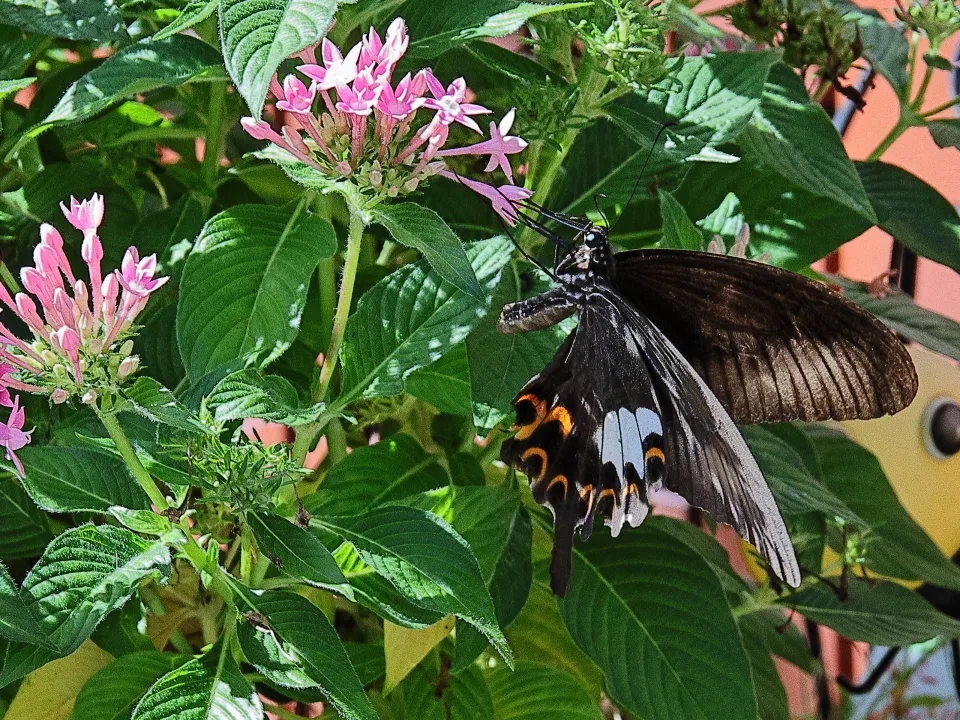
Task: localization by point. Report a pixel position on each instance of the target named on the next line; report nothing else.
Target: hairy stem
(889, 140)
(129, 455)
(8, 279)
(350, 264)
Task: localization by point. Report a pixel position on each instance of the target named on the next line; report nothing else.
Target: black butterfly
(671, 350)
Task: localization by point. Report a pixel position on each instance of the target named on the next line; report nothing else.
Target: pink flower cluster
(367, 130)
(80, 331)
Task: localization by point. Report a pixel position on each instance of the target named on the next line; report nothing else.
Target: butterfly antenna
(636, 185)
(596, 204)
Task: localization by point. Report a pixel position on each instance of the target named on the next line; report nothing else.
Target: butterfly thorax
(587, 263)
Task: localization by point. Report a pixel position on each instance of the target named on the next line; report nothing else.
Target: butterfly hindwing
(772, 345)
(588, 434)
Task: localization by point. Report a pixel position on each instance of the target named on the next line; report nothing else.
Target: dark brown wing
(772, 345)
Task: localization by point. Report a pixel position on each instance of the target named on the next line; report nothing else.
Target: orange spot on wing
(561, 479)
(539, 406)
(536, 452)
(655, 453)
(562, 416)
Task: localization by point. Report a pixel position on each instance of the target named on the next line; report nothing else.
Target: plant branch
(213, 146)
(350, 264)
(940, 108)
(129, 455)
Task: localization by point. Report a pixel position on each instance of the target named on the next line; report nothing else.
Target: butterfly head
(588, 260)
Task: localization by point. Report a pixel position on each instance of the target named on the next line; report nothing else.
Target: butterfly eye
(590, 237)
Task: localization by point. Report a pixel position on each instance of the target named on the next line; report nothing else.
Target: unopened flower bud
(60, 370)
(376, 178)
(89, 397)
(50, 358)
(126, 348)
(95, 346)
(127, 367)
(411, 184)
(59, 396)
(343, 167)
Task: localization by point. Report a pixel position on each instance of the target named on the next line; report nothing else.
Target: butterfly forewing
(772, 345)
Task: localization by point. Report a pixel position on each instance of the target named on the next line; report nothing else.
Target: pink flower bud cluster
(80, 330)
(352, 121)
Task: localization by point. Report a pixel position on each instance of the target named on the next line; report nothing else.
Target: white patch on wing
(632, 442)
(608, 439)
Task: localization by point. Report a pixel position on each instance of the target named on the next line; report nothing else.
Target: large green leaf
(880, 613)
(410, 319)
(501, 364)
(421, 228)
(434, 28)
(83, 575)
(71, 19)
(71, 479)
(534, 692)
(711, 98)
(796, 489)
(898, 311)
(17, 621)
(114, 691)
(913, 212)
(258, 35)
(423, 696)
(24, 532)
(245, 284)
(393, 469)
(426, 560)
(202, 689)
(645, 606)
(195, 11)
(298, 648)
(896, 546)
(248, 394)
(771, 695)
(296, 551)
(139, 68)
(539, 635)
(884, 46)
(793, 225)
(793, 135)
(445, 384)
(152, 400)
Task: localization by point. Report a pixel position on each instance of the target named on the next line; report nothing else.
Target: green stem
(201, 562)
(350, 264)
(940, 108)
(922, 92)
(246, 554)
(213, 147)
(889, 140)
(129, 456)
(281, 713)
(8, 279)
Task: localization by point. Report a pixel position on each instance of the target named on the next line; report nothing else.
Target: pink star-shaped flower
(136, 275)
(497, 147)
(362, 97)
(449, 103)
(297, 97)
(12, 436)
(85, 216)
(336, 69)
(405, 99)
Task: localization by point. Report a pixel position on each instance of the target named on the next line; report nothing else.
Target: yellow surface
(50, 692)
(405, 648)
(929, 488)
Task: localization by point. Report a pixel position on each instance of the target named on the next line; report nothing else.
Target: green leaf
(24, 532)
(436, 29)
(896, 546)
(781, 636)
(880, 613)
(423, 696)
(645, 598)
(9, 87)
(17, 622)
(248, 394)
(898, 312)
(201, 689)
(500, 364)
(71, 19)
(884, 46)
(393, 469)
(152, 400)
(945, 133)
(245, 284)
(426, 560)
(299, 648)
(421, 228)
(711, 98)
(792, 134)
(71, 479)
(258, 35)
(113, 692)
(145, 522)
(679, 232)
(297, 552)
(156, 345)
(139, 68)
(771, 695)
(539, 635)
(445, 384)
(913, 212)
(195, 11)
(534, 692)
(410, 319)
(726, 220)
(793, 225)
(796, 489)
